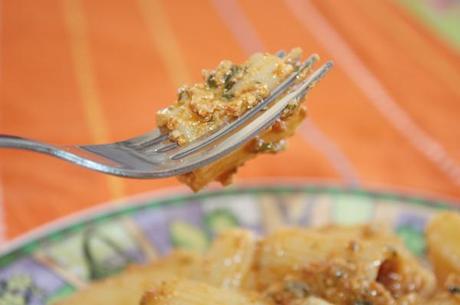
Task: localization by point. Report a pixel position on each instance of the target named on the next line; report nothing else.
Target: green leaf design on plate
(227, 208)
(220, 219)
(69, 251)
(351, 209)
(186, 236)
(18, 289)
(413, 239)
(60, 294)
(93, 243)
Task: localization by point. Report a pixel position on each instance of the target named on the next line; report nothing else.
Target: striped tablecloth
(85, 71)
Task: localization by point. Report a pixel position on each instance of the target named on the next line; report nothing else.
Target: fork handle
(74, 154)
(62, 152)
(9, 141)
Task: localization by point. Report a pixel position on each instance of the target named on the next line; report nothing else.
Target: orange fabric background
(83, 71)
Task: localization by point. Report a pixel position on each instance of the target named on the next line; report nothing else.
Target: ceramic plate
(63, 258)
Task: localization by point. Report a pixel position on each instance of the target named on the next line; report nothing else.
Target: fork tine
(146, 140)
(166, 147)
(311, 60)
(193, 147)
(153, 142)
(314, 78)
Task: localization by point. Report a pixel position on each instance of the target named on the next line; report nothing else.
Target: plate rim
(174, 195)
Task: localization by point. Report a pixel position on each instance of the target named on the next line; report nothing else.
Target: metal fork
(153, 155)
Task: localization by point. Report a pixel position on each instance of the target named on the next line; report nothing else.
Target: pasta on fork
(226, 94)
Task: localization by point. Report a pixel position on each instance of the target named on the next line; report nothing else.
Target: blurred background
(86, 71)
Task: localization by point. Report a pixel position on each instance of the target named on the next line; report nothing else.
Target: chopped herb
(298, 289)
(270, 147)
(289, 110)
(259, 98)
(362, 302)
(229, 81)
(228, 95)
(228, 85)
(228, 76)
(235, 69)
(183, 95)
(267, 146)
(291, 106)
(454, 289)
(211, 81)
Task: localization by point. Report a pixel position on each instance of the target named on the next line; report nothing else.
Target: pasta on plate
(354, 265)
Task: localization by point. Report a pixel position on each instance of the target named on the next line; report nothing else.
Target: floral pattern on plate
(63, 260)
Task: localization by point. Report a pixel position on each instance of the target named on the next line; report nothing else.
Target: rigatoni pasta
(182, 291)
(229, 260)
(226, 94)
(332, 265)
(128, 287)
(443, 236)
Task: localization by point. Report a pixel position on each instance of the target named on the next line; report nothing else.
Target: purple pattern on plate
(155, 222)
(307, 208)
(259, 229)
(241, 207)
(43, 282)
(283, 203)
(129, 255)
(414, 221)
(117, 259)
